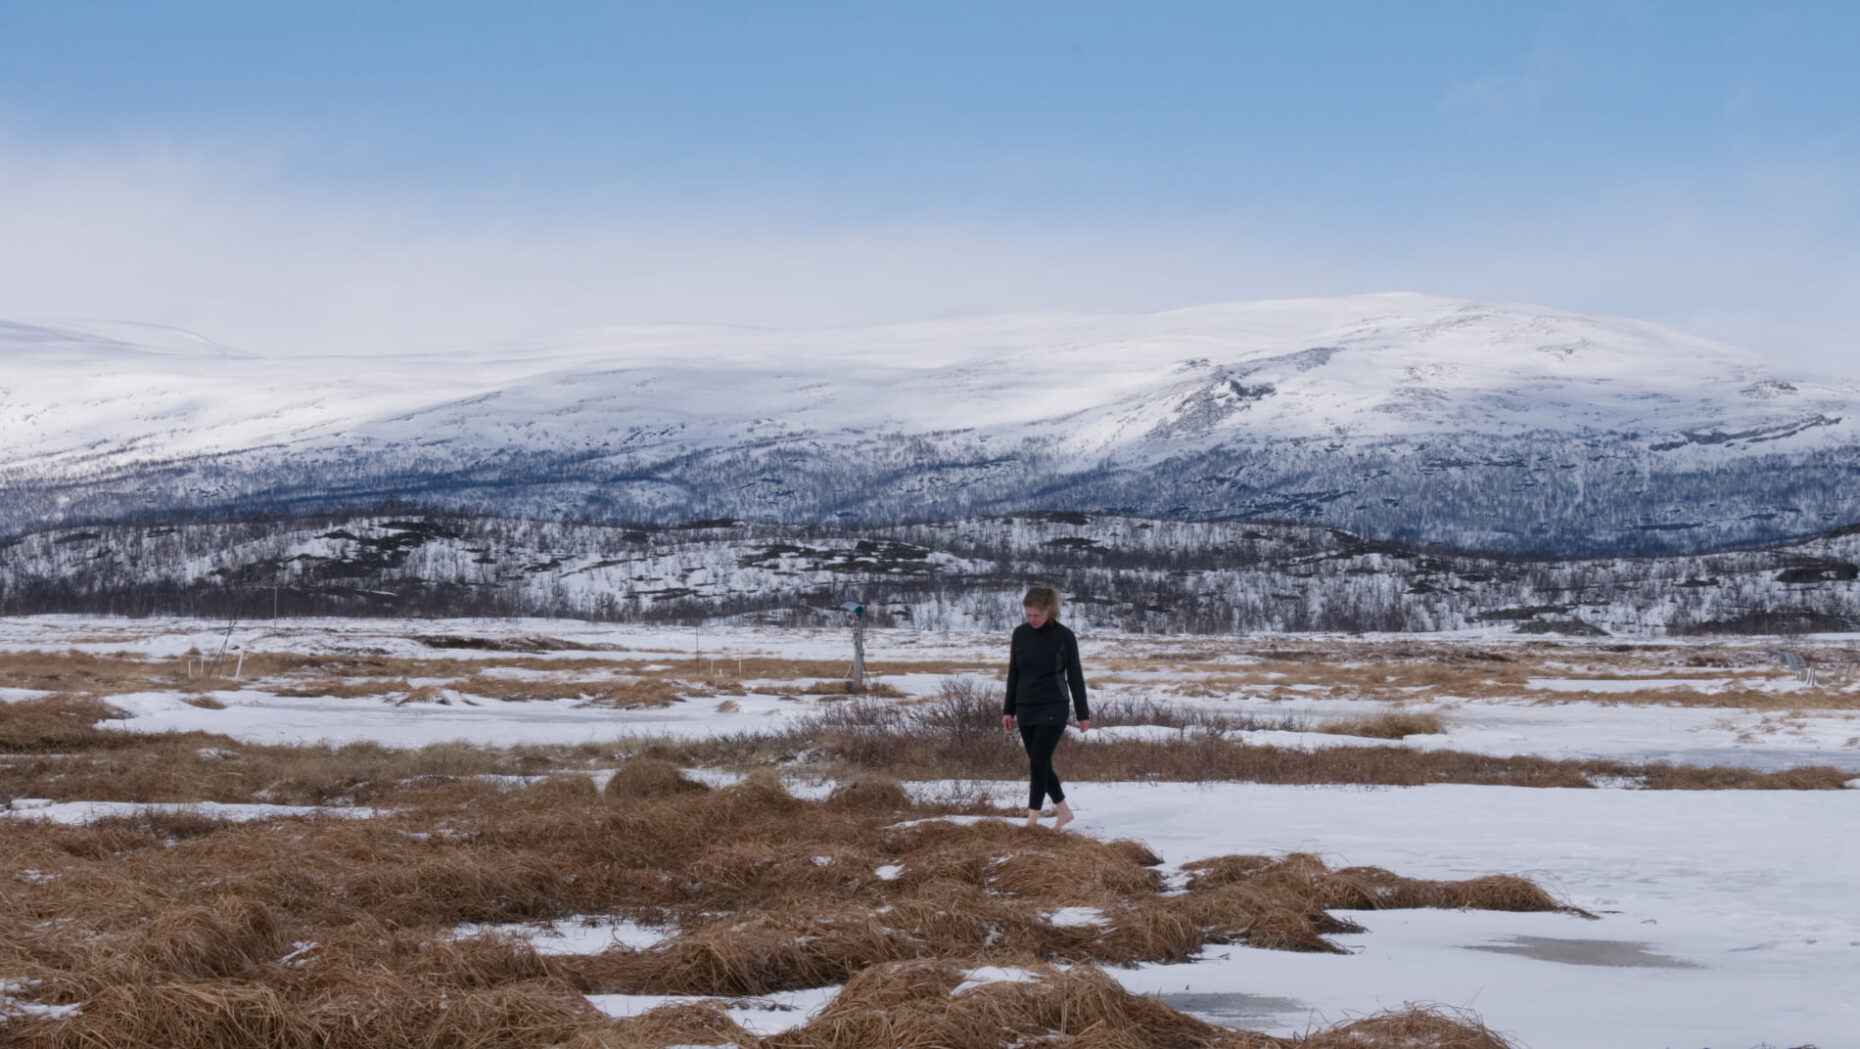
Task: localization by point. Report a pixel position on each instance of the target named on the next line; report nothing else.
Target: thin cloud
(231, 251)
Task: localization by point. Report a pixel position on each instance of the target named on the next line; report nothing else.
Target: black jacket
(1042, 664)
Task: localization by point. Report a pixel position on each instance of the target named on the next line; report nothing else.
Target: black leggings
(1042, 780)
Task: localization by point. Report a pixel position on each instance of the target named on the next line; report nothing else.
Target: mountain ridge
(1396, 415)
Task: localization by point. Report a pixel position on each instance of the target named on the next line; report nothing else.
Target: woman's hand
(1085, 725)
(1007, 722)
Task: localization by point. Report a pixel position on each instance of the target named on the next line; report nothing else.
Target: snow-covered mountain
(1405, 416)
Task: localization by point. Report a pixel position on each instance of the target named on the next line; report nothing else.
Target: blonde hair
(1044, 597)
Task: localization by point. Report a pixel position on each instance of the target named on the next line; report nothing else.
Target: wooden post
(858, 680)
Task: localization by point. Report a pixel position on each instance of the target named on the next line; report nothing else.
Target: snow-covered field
(1631, 716)
(1724, 918)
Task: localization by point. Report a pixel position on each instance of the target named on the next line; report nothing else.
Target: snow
(261, 717)
(81, 812)
(591, 934)
(13, 1006)
(987, 974)
(1747, 890)
(767, 1015)
(1532, 721)
(707, 384)
(1075, 917)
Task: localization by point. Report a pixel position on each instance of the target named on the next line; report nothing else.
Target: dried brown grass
(1428, 1027)
(185, 936)
(1392, 724)
(651, 778)
(913, 1005)
(55, 722)
(960, 737)
(618, 693)
(65, 758)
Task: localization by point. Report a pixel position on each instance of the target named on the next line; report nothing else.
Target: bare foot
(1062, 815)
(1033, 818)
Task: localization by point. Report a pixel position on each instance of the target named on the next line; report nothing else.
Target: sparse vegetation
(331, 933)
(340, 932)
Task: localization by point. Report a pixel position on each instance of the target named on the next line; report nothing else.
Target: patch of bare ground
(183, 931)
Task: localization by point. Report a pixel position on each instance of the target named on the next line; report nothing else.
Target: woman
(1043, 665)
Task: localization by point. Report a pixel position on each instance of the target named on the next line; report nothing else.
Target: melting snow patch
(890, 871)
(768, 1015)
(587, 935)
(11, 1006)
(83, 812)
(963, 821)
(1074, 917)
(988, 974)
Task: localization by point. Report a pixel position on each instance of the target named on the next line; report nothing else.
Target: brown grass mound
(1280, 929)
(1304, 878)
(371, 1011)
(58, 722)
(564, 786)
(923, 1005)
(651, 778)
(1393, 724)
(1693, 777)
(870, 794)
(1416, 1027)
(763, 789)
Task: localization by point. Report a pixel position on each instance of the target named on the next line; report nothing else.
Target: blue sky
(374, 175)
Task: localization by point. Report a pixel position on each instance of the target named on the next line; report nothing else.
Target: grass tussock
(1420, 1027)
(56, 722)
(55, 750)
(564, 786)
(870, 793)
(1302, 878)
(651, 778)
(1392, 724)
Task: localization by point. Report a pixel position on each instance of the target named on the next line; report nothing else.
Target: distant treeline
(1532, 494)
(1119, 572)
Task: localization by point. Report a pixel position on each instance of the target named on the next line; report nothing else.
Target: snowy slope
(1394, 414)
